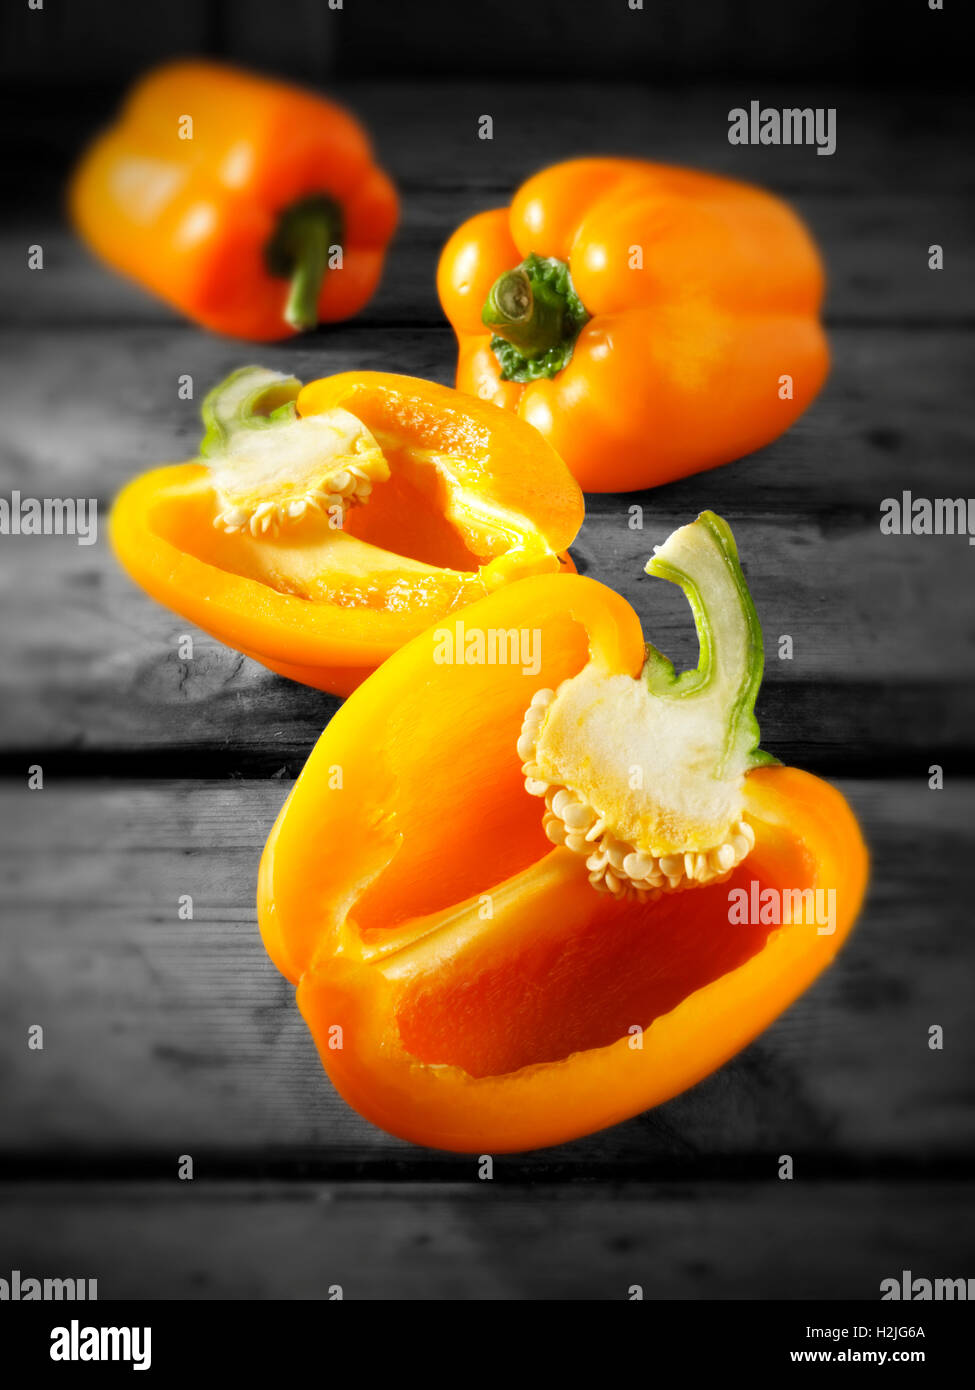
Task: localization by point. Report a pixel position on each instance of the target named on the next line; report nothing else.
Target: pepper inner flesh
(644, 778)
(313, 562)
(590, 970)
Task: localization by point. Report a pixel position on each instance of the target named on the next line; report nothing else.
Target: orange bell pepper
(253, 208)
(323, 527)
(466, 985)
(650, 321)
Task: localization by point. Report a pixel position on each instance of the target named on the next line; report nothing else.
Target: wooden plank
(114, 393)
(85, 410)
(427, 131)
(880, 675)
(875, 249)
(165, 1036)
(486, 1240)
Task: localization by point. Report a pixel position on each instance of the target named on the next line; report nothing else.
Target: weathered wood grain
(165, 1036)
(85, 410)
(881, 667)
(427, 132)
(876, 250)
(487, 1240)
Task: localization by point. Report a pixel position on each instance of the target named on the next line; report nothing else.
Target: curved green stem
(533, 320)
(299, 250)
(703, 559)
(536, 316)
(311, 262)
(249, 398)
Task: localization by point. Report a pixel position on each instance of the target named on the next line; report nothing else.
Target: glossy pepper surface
(252, 207)
(473, 986)
(324, 526)
(650, 321)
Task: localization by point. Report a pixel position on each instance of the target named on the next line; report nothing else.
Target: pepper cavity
(644, 777)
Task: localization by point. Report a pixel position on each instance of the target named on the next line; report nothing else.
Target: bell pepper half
(650, 321)
(324, 526)
(252, 207)
(532, 882)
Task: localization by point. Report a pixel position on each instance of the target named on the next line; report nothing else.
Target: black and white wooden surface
(162, 777)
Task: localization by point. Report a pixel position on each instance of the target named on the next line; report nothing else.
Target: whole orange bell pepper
(650, 321)
(483, 971)
(324, 526)
(252, 207)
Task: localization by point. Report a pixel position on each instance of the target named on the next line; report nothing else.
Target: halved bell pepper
(485, 971)
(324, 526)
(650, 321)
(252, 207)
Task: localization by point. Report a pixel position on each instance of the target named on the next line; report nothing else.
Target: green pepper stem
(703, 559)
(530, 317)
(536, 316)
(311, 263)
(299, 251)
(249, 398)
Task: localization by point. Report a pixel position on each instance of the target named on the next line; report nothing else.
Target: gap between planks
(479, 1240)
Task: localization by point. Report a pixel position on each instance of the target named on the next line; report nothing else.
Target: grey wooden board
(426, 133)
(880, 669)
(891, 416)
(486, 1240)
(870, 280)
(91, 661)
(164, 1036)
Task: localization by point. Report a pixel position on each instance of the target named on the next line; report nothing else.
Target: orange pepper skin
(161, 528)
(680, 367)
(465, 986)
(192, 219)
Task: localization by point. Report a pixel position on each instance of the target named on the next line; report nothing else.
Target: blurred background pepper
(251, 206)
